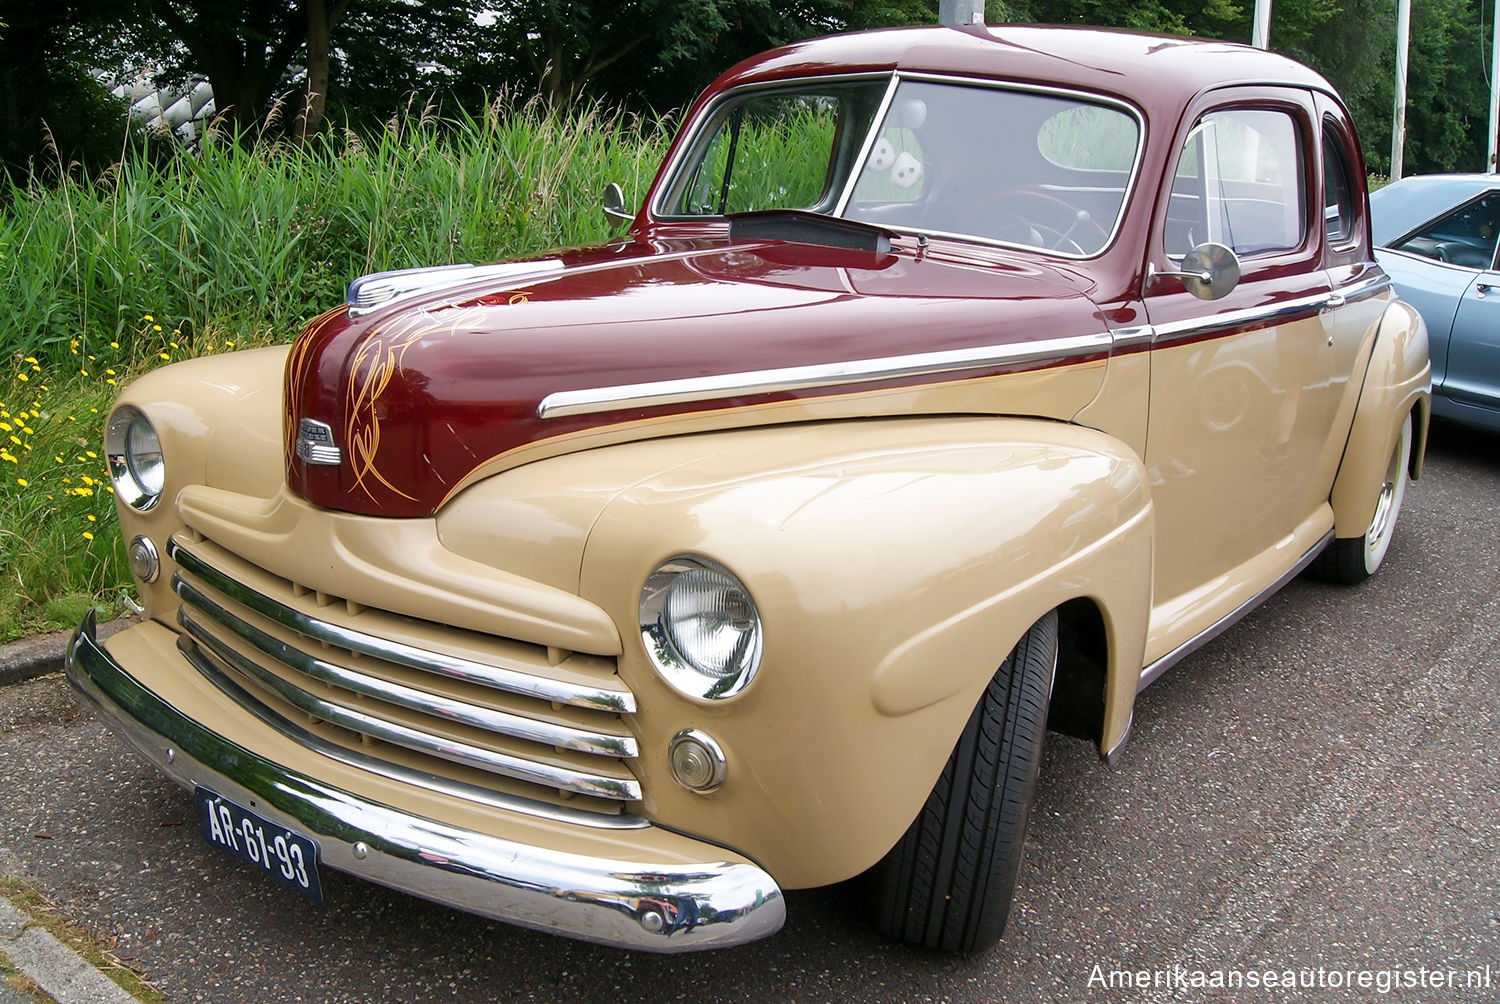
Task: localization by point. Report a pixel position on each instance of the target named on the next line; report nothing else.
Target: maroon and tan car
(949, 386)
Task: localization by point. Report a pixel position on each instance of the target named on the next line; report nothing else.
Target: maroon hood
(420, 393)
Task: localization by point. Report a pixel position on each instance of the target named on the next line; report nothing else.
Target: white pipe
(1398, 120)
(1260, 34)
(1494, 90)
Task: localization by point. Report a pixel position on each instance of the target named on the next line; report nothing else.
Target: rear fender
(1398, 382)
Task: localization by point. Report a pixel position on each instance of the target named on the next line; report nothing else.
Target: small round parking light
(697, 761)
(143, 560)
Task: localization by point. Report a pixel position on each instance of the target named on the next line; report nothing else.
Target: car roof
(1150, 70)
(1403, 206)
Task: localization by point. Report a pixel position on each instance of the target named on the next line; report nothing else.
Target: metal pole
(1260, 34)
(1494, 90)
(960, 12)
(1398, 121)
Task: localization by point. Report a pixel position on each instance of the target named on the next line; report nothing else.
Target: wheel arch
(1397, 382)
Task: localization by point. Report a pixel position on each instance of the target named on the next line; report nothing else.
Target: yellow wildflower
(22, 377)
(91, 517)
(164, 355)
(148, 318)
(114, 345)
(22, 482)
(156, 327)
(87, 535)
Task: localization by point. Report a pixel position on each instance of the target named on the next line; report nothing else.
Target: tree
(53, 113)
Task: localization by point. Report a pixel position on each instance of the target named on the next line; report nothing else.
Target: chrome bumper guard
(668, 907)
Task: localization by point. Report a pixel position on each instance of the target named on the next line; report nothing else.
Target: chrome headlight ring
(133, 450)
(700, 628)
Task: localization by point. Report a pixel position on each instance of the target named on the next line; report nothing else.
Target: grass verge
(98, 954)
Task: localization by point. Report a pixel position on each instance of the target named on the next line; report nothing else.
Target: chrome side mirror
(614, 205)
(1209, 271)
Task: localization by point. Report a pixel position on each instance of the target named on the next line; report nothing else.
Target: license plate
(287, 857)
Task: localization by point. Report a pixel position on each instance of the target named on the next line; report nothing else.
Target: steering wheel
(1020, 227)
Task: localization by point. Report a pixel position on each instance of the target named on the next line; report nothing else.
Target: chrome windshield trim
(665, 392)
(851, 182)
(690, 131)
(514, 681)
(445, 708)
(1153, 672)
(451, 750)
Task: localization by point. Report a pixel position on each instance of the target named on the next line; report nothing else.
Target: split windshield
(1019, 167)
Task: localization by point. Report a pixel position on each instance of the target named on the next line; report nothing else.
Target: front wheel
(1354, 559)
(948, 882)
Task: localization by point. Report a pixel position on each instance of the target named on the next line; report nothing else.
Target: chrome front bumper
(622, 902)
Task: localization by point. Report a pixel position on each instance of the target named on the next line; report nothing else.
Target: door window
(1239, 182)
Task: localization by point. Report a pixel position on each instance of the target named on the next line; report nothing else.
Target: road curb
(52, 965)
(43, 653)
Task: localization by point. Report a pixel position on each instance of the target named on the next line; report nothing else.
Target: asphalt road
(1316, 789)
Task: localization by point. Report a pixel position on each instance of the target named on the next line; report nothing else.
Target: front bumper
(622, 901)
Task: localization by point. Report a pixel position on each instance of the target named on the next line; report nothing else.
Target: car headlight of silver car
(700, 627)
(136, 467)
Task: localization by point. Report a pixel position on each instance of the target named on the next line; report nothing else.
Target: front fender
(894, 564)
(1398, 382)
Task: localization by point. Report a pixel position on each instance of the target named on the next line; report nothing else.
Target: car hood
(636, 339)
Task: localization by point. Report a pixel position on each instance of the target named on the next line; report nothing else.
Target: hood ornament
(315, 444)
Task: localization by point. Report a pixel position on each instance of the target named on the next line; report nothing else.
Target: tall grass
(259, 239)
(238, 246)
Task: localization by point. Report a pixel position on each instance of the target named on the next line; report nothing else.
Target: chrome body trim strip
(563, 404)
(1273, 312)
(400, 695)
(1129, 338)
(376, 727)
(625, 900)
(602, 698)
(1241, 318)
(1153, 672)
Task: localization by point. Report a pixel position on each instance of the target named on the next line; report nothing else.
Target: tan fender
(894, 565)
(1398, 382)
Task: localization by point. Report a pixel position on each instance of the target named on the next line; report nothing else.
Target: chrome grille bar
(385, 768)
(600, 698)
(561, 778)
(445, 708)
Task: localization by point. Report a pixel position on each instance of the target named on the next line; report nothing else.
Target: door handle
(1335, 300)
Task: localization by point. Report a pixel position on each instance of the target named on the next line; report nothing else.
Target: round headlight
(135, 462)
(700, 627)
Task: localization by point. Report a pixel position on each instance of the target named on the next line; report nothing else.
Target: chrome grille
(519, 718)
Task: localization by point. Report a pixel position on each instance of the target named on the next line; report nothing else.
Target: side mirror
(1209, 271)
(614, 205)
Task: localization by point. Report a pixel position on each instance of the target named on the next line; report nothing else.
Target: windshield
(1019, 167)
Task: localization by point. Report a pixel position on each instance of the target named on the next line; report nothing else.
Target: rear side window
(1239, 183)
(1338, 192)
(1466, 236)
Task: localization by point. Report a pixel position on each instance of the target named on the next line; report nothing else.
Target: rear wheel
(947, 884)
(1354, 559)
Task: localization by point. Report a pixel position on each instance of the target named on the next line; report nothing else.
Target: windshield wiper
(803, 227)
